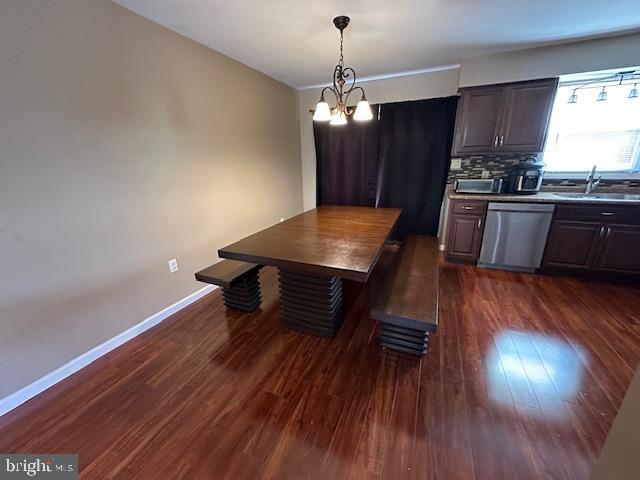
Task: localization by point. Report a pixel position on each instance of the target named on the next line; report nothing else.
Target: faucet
(592, 183)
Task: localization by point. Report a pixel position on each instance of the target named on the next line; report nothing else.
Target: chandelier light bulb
(323, 112)
(338, 118)
(363, 111)
(634, 92)
(574, 97)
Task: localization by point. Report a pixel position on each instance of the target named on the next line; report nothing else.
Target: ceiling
(295, 41)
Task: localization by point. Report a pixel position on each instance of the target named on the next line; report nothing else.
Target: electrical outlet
(485, 173)
(173, 265)
(456, 164)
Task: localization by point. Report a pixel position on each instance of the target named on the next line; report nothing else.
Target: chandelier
(341, 76)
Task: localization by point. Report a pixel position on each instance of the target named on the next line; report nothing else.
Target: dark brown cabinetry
(509, 118)
(478, 120)
(464, 231)
(620, 251)
(572, 244)
(594, 238)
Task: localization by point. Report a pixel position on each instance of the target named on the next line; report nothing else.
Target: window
(590, 132)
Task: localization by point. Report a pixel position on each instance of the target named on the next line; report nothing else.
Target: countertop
(540, 197)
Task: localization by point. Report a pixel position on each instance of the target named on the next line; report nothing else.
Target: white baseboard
(27, 392)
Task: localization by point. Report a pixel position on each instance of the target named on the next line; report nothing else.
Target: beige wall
(122, 145)
(398, 89)
(619, 459)
(551, 61)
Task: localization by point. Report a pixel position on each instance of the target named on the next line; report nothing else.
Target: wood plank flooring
(522, 381)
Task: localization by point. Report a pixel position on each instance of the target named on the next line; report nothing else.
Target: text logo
(15, 466)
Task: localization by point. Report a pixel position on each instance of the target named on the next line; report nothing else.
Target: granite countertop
(546, 197)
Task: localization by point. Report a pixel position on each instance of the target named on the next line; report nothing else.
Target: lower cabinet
(593, 246)
(464, 232)
(572, 245)
(620, 250)
(582, 238)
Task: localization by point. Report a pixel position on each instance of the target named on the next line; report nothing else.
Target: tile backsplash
(498, 166)
(472, 167)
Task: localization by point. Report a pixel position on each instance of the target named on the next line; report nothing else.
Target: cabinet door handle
(607, 213)
(501, 139)
(495, 142)
(466, 207)
(479, 222)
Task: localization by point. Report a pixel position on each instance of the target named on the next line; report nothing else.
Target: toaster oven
(478, 185)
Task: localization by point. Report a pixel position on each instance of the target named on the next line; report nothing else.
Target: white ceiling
(295, 41)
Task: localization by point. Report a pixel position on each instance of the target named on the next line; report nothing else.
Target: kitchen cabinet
(594, 239)
(478, 120)
(572, 245)
(464, 231)
(620, 251)
(505, 118)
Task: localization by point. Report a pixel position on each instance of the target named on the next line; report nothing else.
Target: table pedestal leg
(244, 293)
(403, 339)
(311, 304)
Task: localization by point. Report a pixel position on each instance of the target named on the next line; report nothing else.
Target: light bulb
(573, 98)
(363, 111)
(634, 92)
(323, 112)
(338, 118)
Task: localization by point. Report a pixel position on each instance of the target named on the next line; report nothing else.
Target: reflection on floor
(531, 358)
(522, 380)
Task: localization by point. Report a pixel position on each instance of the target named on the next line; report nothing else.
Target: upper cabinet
(478, 120)
(506, 118)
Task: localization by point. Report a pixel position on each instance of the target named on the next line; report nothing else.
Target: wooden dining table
(313, 252)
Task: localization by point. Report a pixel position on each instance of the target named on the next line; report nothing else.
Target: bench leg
(311, 304)
(403, 339)
(244, 293)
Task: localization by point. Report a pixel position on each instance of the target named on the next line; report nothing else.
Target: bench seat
(407, 306)
(239, 282)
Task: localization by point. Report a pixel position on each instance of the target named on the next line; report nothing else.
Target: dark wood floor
(522, 380)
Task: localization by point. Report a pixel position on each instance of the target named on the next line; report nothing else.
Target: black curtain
(399, 159)
(415, 153)
(347, 162)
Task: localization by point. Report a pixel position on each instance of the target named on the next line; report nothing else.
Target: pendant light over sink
(342, 75)
(628, 77)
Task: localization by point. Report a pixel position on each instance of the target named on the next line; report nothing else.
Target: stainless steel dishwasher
(515, 235)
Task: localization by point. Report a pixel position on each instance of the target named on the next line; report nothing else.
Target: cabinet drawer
(599, 213)
(473, 207)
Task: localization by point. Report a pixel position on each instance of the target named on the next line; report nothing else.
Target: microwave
(478, 185)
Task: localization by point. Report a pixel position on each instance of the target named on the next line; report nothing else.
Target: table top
(330, 240)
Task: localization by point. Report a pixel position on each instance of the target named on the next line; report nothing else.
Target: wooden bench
(239, 282)
(407, 306)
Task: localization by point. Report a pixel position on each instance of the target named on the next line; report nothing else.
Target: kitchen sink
(604, 196)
